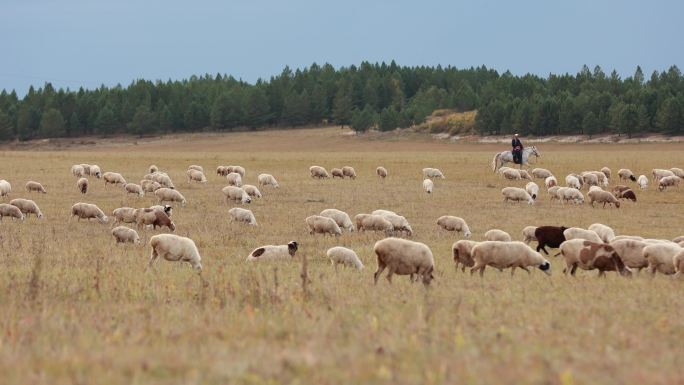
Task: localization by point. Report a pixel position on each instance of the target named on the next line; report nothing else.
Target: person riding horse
(517, 149)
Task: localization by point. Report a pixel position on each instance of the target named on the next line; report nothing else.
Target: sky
(74, 43)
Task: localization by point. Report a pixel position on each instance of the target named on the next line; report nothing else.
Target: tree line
(381, 96)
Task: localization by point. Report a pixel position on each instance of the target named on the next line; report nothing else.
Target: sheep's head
(172, 226)
(292, 248)
(545, 267)
(428, 276)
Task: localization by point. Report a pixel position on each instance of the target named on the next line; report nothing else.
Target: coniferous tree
(52, 124)
(6, 129)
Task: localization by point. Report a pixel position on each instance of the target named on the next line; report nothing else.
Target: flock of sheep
(595, 248)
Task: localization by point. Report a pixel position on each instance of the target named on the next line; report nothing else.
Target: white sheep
(349, 171)
(570, 194)
(123, 234)
(5, 188)
(604, 232)
(27, 206)
(631, 252)
(373, 222)
(88, 211)
(532, 189)
(404, 257)
(668, 181)
(196, 168)
(196, 176)
(524, 175)
(572, 182)
(8, 210)
(223, 170)
(234, 179)
(428, 185)
(318, 172)
(660, 257)
(511, 174)
(462, 253)
(77, 170)
(590, 179)
(169, 195)
(322, 225)
(541, 173)
(252, 190)
(238, 169)
(580, 233)
(124, 215)
(343, 256)
(163, 180)
(175, 248)
(270, 252)
(236, 194)
(340, 217)
(399, 223)
(132, 188)
(604, 197)
(497, 235)
(678, 172)
(626, 174)
(516, 194)
(452, 223)
(35, 186)
(86, 168)
(239, 214)
(267, 180)
(595, 188)
(550, 182)
(95, 171)
(642, 182)
(337, 173)
(555, 192)
(659, 173)
(149, 185)
(381, 171)
(82, 185)
(502, 255)
(528, 234)
(432, 173)
(606, 171)
(113, 178)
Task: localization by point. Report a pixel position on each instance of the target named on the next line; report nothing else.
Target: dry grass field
(77, 309)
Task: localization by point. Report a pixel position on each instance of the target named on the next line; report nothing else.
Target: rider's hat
(516, 134)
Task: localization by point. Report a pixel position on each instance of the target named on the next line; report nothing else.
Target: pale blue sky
(74, 43)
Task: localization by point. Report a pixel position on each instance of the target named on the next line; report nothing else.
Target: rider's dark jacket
(516, 144)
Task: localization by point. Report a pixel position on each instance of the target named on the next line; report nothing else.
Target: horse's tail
(495, 162)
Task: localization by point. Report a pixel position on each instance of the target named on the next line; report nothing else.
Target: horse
(507, 156)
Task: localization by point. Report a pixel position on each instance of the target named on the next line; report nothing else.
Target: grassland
(76, 309)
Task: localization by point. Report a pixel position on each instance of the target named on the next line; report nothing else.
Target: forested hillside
(382, 96)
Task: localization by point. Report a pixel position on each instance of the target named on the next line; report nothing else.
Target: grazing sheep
(113, 178)
(516, 194)
(123, 234)
(8, 210)
(86, 168)
(626, 174)
(95, 171)
(222, 170)
(373, 222)
(236, 194)
(165, 208)
(238, 169)
(551, 236)
(631, 252)
(149, 185)
(404, 257)
(554, 192)
(242, 215)
(399, 223)
(659, 173)
(573, 182)
(175, 248)
(580, 233)
(88, 211)
(528, 234)
(462, 253)
(432, 173)
(642, 182)
(5, 188)
(155, 218)
(595, 188)
(678, 172)
(169, 195)
(589, 255)
(252, 191)
(532, 189)
(318, 172)
(660, 257)
(270, 252)
(343, 256)
(322, 225)
(606, 233)
(381, 171)
(628, 194)
(132, 188)
(511, 174)
(617, 190)
(541, 173)
(125, 215)
(349, 172)
(196, 168)
(590, 179)
(35, 186)
(603, 197)
(153, 169)
(27, 206)
(550, 182)
(600, 177)
(428, 185)
(82, 185)
(234, 179)
(502, 255)
(267, 180)
(196, 176)
(452, 223)
(77, 170)
(606, 171)
(524, 175)
(163, 180)
(497, 235)
(337, 172)
(340, 217)
(668, 181)
(571, 194)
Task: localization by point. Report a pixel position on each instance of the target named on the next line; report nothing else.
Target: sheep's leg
(153, 257)
(574, 269)
(482, 269)
(376, 275)
(601, 274)
(526, 269)
(513, 271)
(390, 272)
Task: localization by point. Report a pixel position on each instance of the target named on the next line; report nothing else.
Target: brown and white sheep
(271, 252)
(155, 218)
(589, 255)
(550, 182)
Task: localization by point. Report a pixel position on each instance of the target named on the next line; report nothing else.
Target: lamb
(451, 223)
(381, 171)
(528, 234)
(132, 188)
(497, 235)
(234, 179)
(572, 182)
(678, 172)
(571, 194)
(541, 173)
(606, 171)
(660, 257)
(516, 194)
(236, 194)
(511, 174)
(462, 253)
(668, 181)
(606, 233)
(502, 255)
(322, 225)
(267, 180)
(155, 218)
(77, 170)
(88, 211)
(242, 215)
(372, 222)
(399, 223)
(113, 178)
(124, 214)
(631, 252)
(153, 169)
(580, 233)
(252, 191)
(149, 185)
(196, 168)
(603, 197)
(532, 189)
(589, 255)
(82, 185)
(170, 195)
(642, 182)
(174, 248)
(27, 207)
(428, 185)
(35, 186)
(8, 210)
(318, 172)
(524, 175)
(432, 173)
(550, 182)
(5, 188)
(337, 172)
(123, 234)
(343, 256)
(551, 236)
(270, 252)
(349, 172)
(404, 257)
(625, 174)
(196, 176)
(340, 217)
(95, 171)
(659, 173)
